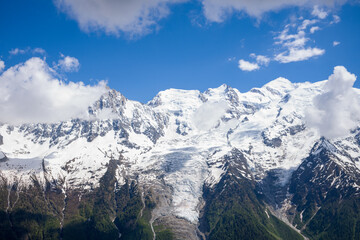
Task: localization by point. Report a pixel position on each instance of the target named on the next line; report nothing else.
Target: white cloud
(336, 19)
(294, 41)
(39, 51)
(260, 59)
(337, 110)
(295, 44)
(17, 51)
(291, 40)
(314, 29)
(68, 64)
(248, 66)
(209, 114)
(318, 12)
(30, 92)
(335, 43)
(307, 23)
(136, 17)
(2, 65)
(298, 54)
(218, 11)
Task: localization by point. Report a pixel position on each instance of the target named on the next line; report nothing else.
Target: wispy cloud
(306, 23)
(17, 51)
(335, 43)
(260, 59)
(336, 19)
(39, 51)
(294, 41)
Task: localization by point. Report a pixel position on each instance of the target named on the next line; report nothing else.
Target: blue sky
(183, 44)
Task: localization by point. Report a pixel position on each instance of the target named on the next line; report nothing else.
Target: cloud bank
(31, 93)
(337, 110)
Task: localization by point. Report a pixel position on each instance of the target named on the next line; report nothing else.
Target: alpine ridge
(185, 165)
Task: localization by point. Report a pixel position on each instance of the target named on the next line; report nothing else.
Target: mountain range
(218, 164)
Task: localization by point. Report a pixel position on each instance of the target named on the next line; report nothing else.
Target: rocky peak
(323, 145)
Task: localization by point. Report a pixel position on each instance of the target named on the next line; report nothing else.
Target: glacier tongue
(176, 140)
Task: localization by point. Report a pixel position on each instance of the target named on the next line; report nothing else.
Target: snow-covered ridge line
(178, 139)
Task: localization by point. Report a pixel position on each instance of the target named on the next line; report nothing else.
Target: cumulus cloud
(136, 17)
(209, 114)
(2, 65)
(298, 54)
(248, 66)
(337, 110)
(68, 64)
(218, 11)
(31, 93)
(335, 43)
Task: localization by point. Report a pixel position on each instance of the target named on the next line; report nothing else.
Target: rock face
(3, 157)
(186, 165)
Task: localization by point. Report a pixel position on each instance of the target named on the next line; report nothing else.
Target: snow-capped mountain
(182, 150)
